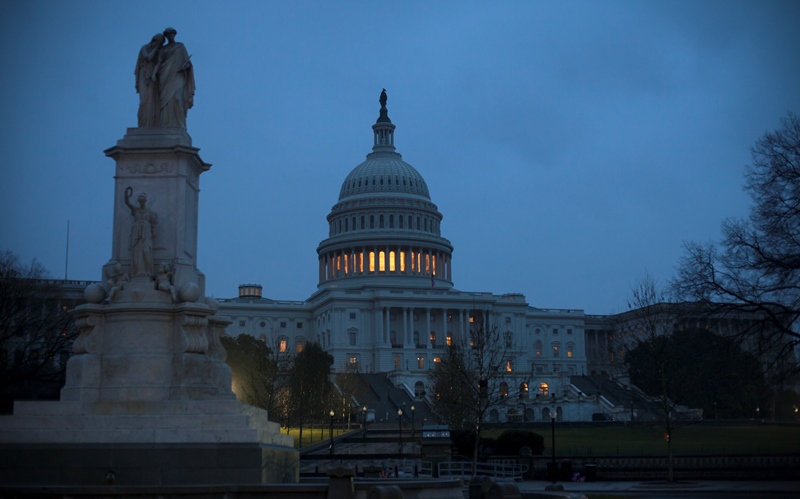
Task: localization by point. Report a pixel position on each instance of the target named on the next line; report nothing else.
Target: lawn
(690, 440)
(312, 436)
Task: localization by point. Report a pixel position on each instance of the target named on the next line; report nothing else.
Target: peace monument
(148, 397)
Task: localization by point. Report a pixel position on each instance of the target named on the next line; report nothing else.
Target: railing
(497, 470)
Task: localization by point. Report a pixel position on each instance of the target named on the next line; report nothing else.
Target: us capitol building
(385, 301)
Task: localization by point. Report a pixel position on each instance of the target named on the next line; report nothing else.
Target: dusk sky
(570, 146)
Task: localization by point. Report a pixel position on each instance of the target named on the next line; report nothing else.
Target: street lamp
(758, 412)
(364, 417)
(331, 414)
(400, 431)
(553, 431)
(412, 421)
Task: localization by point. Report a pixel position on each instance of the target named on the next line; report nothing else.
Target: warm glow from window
(338, 263)
(420, 362)
(544, 389)
(346, 269)
(391, 261)
(509, 367)
(471, 320)
(436, 360)
(569, 351)
(299, 347)
(433, 258)
(282, 346)
(402, 261)
(382, 261)
(433, 337)
(413, 265)
(361, 262)
(427, 263)
(419, 267)
(449, 340)
(555, 350)
(372, 261)
(353, 360)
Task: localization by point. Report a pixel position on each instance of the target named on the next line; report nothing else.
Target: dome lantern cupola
(384, 230)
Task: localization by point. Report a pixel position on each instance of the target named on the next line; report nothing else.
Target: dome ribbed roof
(384, 172)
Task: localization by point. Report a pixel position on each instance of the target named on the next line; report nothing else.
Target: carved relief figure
(175, 81)
(115, 279)
(146, 86)
(164, 280)
(142, 235)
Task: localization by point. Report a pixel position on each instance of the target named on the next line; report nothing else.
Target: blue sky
(571, 146)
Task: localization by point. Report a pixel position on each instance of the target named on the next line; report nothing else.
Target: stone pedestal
(147, 390)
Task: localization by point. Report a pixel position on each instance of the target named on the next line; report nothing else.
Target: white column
(428, 327)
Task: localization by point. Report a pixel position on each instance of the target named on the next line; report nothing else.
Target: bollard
(503, 491)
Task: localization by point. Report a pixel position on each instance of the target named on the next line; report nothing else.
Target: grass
(312, 436)
(689, 440)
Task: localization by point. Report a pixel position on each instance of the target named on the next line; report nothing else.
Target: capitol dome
(384, 229)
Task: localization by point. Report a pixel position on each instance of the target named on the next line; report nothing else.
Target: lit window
(555, 351)
(382, 261)
(299, 346)
(569, 351)
(538, 348)
(420, 362)
(402, 260)
(397, 362)
(471, 320)
(544, 389)
(504, 389)
(372, 261)
(523, 389)
(436, 360)
(361, 262)
(433, 338)
(449, 340)
(391, 261)
(509, 366)
(353, 361)
(282, 345)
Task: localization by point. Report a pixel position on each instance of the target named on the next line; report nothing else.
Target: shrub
(511, 441)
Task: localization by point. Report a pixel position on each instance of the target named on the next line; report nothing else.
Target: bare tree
(643, 337)
(756, 267)
(347, 383)
(36, 330)
(466, 383)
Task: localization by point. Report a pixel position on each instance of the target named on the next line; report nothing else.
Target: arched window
(372, 221)
(504, 389)
(346, 224)
(556, 352)
(391, 261)
(538, 348)
(546, 414)
(544, 389)
(382, 261)
(419, 389)
(372, 261)
(283, 344)
(400, 220)
(523, 390)
(391, 221)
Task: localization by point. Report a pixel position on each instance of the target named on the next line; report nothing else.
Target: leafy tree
(259, 374)
(310, 390)
(466, 383)
(36, 331)
(756, 267)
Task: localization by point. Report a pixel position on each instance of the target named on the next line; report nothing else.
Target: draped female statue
(146, 86)
(142, 234)
(175, 82)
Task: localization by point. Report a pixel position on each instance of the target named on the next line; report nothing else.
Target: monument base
(146, 464)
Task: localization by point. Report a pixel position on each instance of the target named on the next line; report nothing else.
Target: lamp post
(331, 414)
(412, 421)
(364, 418)
(758, 412)
(400, 431)
(553, 431)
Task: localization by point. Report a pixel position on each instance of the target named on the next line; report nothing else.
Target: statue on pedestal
(164, 82)
(142, 235)
(146, 86)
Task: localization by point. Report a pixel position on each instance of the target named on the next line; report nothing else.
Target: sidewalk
(711, 486)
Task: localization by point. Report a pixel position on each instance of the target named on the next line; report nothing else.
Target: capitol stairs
(377, 393)
(621, 400)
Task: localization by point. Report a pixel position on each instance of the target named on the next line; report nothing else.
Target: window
(569, 331)
(449, 340)
(393, 337)
(508, 320)
(382, 261)
(419, 389)
(555, 330)
(263, 324)
(241, 323)
(283, 325)
(556, 368)
(508, 338)
(372, 221)
(283, 344)
(391, 221)
(509, 365)
(433, 339)
(421, 362)
(299, 346)
(362, 223)
(353, 338)
(353, 360)
(397, 362)
(416, 338)
(380, 221)
(299, 325)
(538, 348)
(538, 331)
(555, 350)
(352, 316)
(372, 261)
(570, 348)
(544, 389)
(523, 390)
(504, 389)
(436, 360)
